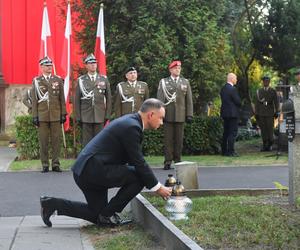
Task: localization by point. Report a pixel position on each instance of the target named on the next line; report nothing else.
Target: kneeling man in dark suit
(113, 158)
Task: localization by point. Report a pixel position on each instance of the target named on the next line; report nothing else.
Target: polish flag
(46, 48)
(66, 65)
(100, 44)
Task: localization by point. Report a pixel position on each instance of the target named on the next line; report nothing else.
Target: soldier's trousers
(50, 130)
(173, 140)
(89, 130)
(266, 124)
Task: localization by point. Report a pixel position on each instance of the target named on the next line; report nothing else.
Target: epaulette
(142, 82)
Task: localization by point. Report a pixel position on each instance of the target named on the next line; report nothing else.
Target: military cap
(90, 59)
(174, 64)
(46, 61)
(265, 78)
(130, 69)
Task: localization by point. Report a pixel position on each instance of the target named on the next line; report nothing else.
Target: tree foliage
(277, 35)
(149, 34)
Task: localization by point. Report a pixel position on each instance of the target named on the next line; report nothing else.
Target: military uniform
(27, 100)
(48, 111)
(129, 97)
(177, 97)
(92, 105)
(266, 107)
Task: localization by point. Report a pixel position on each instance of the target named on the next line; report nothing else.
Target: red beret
(174, 64)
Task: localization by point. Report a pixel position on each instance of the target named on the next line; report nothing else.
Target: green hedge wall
(28, 143)
(202, 136)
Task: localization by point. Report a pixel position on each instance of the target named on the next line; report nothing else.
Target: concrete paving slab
(29, 233)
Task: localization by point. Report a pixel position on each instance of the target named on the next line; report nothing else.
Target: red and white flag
(46, 48)
(66, 65)
(100, 44)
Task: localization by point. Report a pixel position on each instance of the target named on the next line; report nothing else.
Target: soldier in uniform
(266, 109)
(130, 94)
(27, 100)
(48, 112)
(175, 92)
(92, 100)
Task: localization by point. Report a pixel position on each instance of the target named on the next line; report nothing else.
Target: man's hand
(62, 119)
(164, 192)
(35, 121)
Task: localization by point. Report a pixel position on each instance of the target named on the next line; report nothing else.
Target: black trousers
(94, 182)
(229, 135)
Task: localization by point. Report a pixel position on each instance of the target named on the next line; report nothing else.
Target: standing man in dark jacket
(175, 91)
(266, 109)
(131, 94)
(48, 112)
(92, 100)
(113, 158)
(231, 103)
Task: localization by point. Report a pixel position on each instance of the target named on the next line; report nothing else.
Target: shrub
(28, 143)
(203, 135)
(27, 138)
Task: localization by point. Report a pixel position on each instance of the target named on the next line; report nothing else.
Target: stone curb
(152, 220)
(171, 237)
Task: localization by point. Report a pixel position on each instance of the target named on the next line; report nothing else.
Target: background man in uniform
(48, 112)
(175, 92)
(266, 109)
(92, 100)
(130, 94)
(27, 100)
(113, 158)
(231, 103)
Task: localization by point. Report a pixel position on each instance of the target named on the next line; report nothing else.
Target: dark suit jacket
(118, 144)
(231, 101)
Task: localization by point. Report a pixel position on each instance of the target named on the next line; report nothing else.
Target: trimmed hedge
(202, 136)
(28, 143)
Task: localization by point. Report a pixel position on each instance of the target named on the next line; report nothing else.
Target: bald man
(231, 102)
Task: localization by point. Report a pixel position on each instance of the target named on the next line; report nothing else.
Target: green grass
(157, 161)
(33, 165)
(128, 237)
(239, 223)
(248, 150)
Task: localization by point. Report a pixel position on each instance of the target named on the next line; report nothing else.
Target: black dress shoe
(47, 209)
(167, 166)
(56, 169)
(45, 169)
(112, 221)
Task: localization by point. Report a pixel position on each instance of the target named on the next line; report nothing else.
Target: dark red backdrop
(21, 35)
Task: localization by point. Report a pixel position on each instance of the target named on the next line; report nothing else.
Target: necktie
(48, 78)
(175, 80)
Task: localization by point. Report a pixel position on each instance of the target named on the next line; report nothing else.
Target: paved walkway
(21, 227)
(29, 232)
